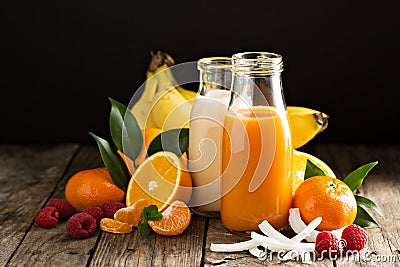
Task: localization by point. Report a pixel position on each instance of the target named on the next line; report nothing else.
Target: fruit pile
(145, 185)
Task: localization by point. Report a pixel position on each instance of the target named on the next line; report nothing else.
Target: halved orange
(175, 220)
(113, 226)
(131, 215)
(161, 179)
(299, 167)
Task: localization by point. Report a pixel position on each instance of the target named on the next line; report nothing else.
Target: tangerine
(131, 215)
(299, 167)
(91, 188)
(113, 226)
(326, 197)
(175, 220)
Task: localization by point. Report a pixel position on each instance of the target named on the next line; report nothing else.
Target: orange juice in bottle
(256, 146)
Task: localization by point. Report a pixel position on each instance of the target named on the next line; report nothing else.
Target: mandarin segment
(131, 215)
(175, 220)
(326, 197)
(91, 188)
(160, 179)
(113, 226)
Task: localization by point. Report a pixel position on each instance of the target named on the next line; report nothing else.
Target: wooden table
(30, 175)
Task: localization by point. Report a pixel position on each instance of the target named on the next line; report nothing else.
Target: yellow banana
(305, 123)
(166, 105)
(163, 103)
(189, 95)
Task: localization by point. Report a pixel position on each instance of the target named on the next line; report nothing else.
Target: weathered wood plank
(30, 172)
(383, 187)
(55, 247)
(154, 250)
(28, 175)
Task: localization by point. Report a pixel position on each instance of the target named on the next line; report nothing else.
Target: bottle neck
(215, 74)
(257, 81)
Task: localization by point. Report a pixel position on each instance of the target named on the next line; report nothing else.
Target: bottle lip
(214, 63)
(257, 62)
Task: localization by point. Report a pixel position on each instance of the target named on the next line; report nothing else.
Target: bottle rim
(257, 62)
(214, 63)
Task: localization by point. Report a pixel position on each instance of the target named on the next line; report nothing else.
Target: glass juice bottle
(256, 146)
(205, 136)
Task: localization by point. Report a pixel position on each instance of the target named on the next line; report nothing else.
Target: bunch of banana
(166, 105)
(163, 103)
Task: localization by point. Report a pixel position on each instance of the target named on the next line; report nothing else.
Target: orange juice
(256, 159)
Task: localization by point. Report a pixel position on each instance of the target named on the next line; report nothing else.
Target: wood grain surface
(31, 175)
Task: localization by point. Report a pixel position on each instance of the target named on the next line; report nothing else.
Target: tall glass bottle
(256, 146)
(205, 136)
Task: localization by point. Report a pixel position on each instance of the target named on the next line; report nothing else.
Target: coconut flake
(270, 231)
(235, 247)
(308, 230)
(256, 252)
(275, 241)
(298, 225)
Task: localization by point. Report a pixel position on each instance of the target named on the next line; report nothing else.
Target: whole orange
(326, 197)
(148, 136)
(91, 188)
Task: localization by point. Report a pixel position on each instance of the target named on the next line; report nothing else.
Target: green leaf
(113, 162)
(312, 170)
(356, 178)
(125, 130)
(149, 213)
(368, 203)
(144, 228)
(153, 214)
(363, 218)
(175, 140)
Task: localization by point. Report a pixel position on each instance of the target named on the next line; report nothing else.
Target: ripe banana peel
(305, 123)
(163, 104)
(166, 105)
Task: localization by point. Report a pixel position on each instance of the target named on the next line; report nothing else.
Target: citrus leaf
(368, 203)
(152, 213)
(356, 178)
(363, 218)
(144, 228)
(312, 170)
(125, 131)
(149, 213)
(175, 140)
(113, 162)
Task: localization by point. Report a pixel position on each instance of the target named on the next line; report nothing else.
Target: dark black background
(62, 59)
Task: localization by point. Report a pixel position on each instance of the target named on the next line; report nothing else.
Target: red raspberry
(47, 217)
(355, 236)
(81, 225)
(65, 210)
(110, 208)
(96, 212)
(326, 244)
